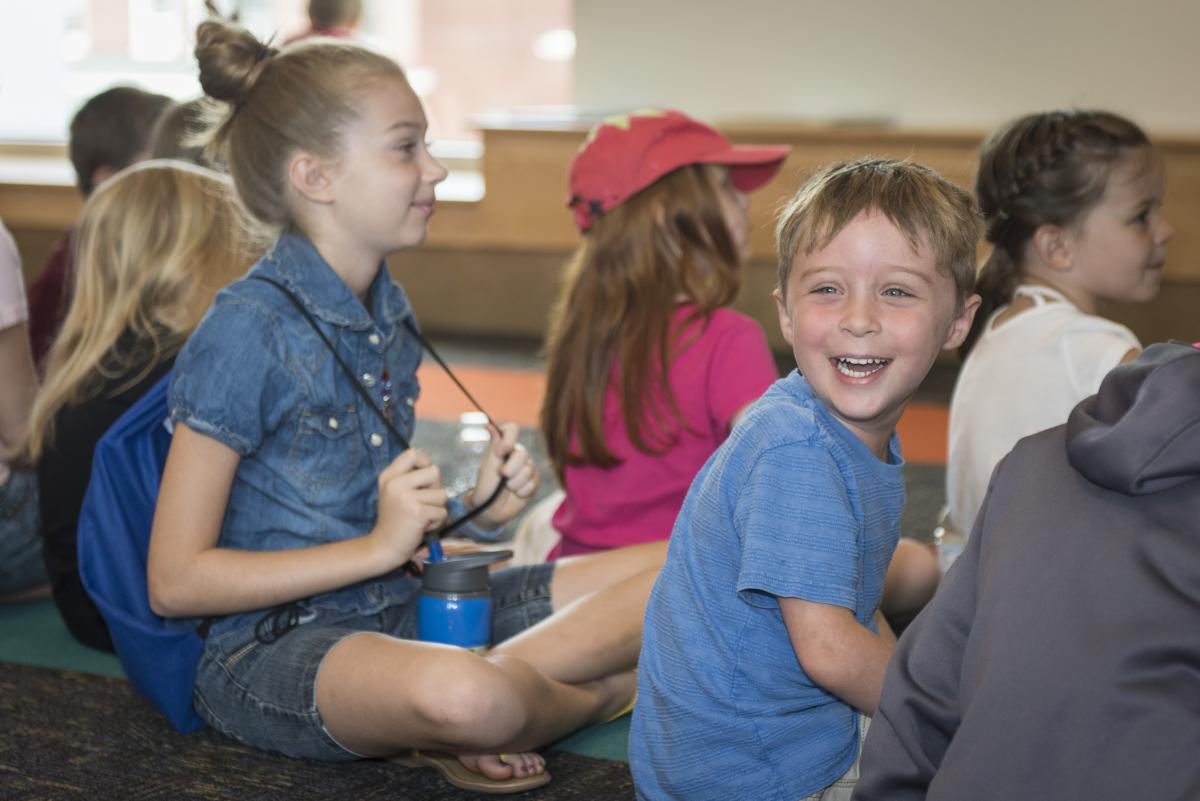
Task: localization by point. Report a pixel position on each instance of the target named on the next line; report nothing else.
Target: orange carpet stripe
(515, 396)
(508, 395)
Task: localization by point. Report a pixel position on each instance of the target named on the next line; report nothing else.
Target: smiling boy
(761, 653)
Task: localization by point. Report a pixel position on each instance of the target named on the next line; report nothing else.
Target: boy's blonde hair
(279, 101)
(154, 245)
(914, 198)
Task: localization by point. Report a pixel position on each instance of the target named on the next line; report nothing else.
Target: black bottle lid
(466, 573)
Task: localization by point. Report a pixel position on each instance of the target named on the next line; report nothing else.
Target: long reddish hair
(622, 286)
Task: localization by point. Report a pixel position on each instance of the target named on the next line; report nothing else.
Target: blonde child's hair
(1041, 169)
(275, 102)
(623, 285)
(914, 198)
(154, 245)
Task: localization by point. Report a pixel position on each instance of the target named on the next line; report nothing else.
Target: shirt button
(368, 379)
(376, 440)
(373, 339)
(333, 423)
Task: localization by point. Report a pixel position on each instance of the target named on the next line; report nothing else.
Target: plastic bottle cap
(467, 573)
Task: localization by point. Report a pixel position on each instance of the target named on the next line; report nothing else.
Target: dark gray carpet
(71, 735)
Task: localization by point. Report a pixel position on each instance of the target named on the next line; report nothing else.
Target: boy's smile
(866, 316)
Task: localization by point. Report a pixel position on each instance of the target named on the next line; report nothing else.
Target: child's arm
(505, 457)
(839, 654)
(189, 576)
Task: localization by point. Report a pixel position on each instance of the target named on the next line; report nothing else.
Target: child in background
(337, 18)
(108, 133)
(1059, 658)
(21, 570)
(1073, 206)
(764, 648)
(283, 490)
(154, 244)
(177, 133)
(648, 367)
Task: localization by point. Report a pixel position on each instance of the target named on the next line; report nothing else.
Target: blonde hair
(914, 198)
(154, 245)
(275, 102)
(622, 287)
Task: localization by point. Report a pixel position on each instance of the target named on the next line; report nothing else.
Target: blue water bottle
(455, 605)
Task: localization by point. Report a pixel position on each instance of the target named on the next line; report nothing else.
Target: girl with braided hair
(1072, 201)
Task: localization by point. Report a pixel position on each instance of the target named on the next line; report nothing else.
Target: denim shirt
(256, 377)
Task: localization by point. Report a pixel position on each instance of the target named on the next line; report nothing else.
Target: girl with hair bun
(1073, 206)
(284, 490)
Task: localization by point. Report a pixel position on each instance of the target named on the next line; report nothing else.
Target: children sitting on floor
(1059, 658)
(1073, 206)
(154, 244)
(764, 649)
(108, 133)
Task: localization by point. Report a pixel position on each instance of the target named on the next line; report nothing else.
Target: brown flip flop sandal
(458, 775)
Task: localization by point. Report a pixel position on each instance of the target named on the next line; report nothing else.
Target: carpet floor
(69, 735)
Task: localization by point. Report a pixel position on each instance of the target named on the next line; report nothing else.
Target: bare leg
(381, 696)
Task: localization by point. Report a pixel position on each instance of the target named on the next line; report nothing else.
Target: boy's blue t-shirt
(792, 505)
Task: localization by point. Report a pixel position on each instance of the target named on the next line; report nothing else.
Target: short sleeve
(1090, 352)
(740, 371)
(230, 382)
(797, 528)
(13, 308)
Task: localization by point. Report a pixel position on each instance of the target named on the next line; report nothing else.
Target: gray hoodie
(1060, 659)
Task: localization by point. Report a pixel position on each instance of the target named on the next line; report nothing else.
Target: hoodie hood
(1140, 434)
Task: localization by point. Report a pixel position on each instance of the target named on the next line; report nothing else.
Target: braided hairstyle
(1042, 169)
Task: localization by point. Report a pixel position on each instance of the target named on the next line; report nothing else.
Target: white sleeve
(1091, 349)
(13, 308)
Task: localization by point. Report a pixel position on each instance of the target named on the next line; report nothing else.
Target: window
(462, 56)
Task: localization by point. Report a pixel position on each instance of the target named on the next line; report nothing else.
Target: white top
(1022, 376)
(13, 308)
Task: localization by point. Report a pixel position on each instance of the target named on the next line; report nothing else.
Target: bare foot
(504, 766)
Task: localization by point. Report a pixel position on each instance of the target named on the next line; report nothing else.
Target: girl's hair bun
(230, 59)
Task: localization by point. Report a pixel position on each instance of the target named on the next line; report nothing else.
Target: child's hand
(412, 501)
(505, 457)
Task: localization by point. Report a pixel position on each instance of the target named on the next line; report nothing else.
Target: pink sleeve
(740, 370)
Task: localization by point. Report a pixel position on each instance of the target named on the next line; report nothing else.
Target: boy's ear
(961, 326)
(785, 319)
(1054, 246)
(309, 176)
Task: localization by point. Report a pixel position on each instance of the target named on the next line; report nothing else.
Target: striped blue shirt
(792, 505)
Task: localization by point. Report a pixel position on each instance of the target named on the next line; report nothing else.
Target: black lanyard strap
(366, 396)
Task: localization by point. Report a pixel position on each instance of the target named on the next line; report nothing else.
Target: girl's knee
(470, 699)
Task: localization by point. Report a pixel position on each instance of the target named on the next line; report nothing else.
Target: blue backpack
(159, 655)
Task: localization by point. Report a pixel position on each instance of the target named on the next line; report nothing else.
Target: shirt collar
(294, 258)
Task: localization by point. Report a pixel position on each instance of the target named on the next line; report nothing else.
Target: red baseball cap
(624, 155)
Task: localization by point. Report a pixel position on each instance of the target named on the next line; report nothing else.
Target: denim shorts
(21, 564)
(265, 694)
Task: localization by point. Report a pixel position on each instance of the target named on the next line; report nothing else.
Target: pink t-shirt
(724, 369)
